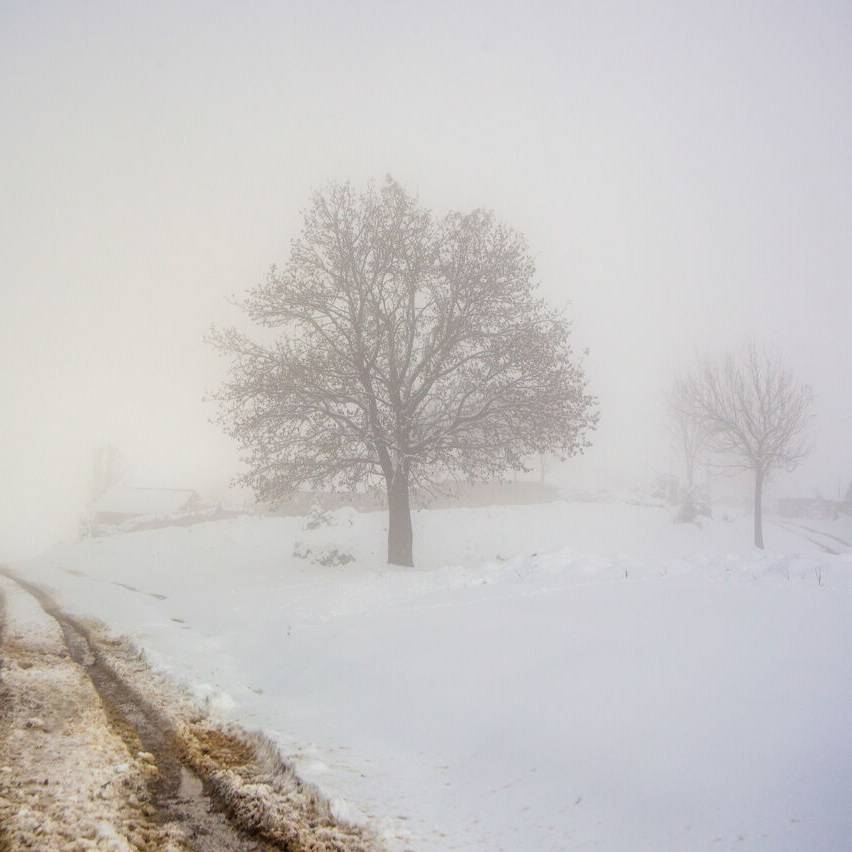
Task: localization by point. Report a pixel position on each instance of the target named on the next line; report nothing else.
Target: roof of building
(128, 500)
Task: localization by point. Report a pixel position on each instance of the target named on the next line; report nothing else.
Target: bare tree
(687, 433)
(753, 413)
(411, 349)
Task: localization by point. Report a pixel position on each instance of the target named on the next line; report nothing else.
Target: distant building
(124, 503)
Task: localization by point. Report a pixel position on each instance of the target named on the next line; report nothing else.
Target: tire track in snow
(819, 532)
(801, 531)
(5, 843)
(178, 796)
(67, 781)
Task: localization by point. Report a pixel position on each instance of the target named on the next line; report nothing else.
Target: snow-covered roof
(128, 500)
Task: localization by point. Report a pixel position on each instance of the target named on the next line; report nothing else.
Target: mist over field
(485, 366)
(682, 177)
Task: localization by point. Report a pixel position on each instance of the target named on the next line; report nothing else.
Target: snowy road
(90, 761)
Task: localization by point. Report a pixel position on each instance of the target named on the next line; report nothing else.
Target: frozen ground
(51, 725)
(565, 676)
(97, 751)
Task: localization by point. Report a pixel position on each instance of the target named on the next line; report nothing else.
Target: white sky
(682, 171)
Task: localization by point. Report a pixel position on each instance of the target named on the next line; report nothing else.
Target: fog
(683, 176)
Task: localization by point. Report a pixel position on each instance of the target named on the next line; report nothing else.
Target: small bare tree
(753, 413)
(411, 349)
(687, 433)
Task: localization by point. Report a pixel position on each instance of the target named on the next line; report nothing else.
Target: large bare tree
(753, 413)
(409, 349)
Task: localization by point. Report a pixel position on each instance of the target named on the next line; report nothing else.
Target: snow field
(568, 676)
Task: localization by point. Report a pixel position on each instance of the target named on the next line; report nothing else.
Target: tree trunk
(400, 536)
(758, 508)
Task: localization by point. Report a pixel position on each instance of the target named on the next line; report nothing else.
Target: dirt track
(97, 752)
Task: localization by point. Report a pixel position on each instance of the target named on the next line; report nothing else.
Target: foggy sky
(683, 173)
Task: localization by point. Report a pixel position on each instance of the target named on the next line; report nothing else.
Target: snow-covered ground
(566, 676)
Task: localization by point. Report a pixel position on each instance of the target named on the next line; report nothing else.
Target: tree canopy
(409, 349)
(751, 412)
